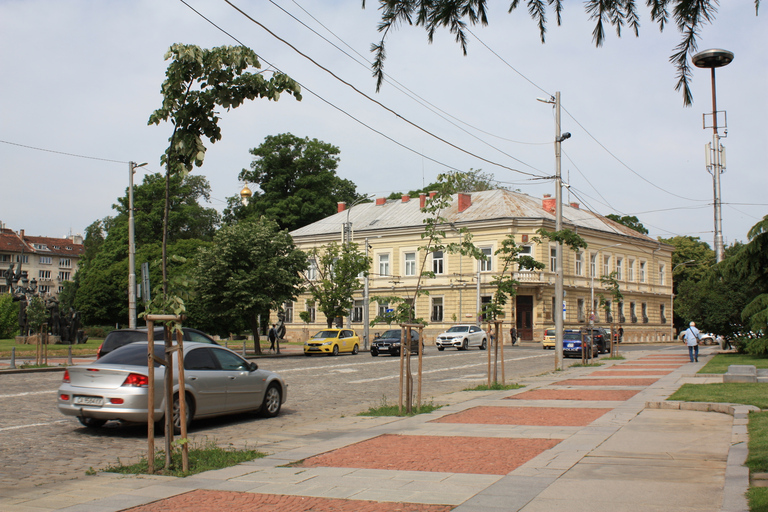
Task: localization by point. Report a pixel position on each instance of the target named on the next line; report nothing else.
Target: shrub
(97, 331)
(9, 316)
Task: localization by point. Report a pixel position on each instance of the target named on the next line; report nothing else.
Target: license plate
(570, 345)
(88, 400)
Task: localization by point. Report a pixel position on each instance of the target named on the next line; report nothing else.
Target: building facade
(49, 261)
(390, 231)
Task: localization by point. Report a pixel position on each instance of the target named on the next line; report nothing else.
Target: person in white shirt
(692, 337)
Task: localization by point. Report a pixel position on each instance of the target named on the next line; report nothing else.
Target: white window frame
(438, 263)
(437, 313)
(553, 258)
(46, 260)
(409, 259)
(384, 265)
(65, 263)
(606, 264)
(631, 271)
(643, 265)
(487, 265)
(619, 268)
(662, 274)
(309, 306)
(593, 264)
(579, 268)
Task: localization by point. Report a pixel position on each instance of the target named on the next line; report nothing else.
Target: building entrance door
(524, 307)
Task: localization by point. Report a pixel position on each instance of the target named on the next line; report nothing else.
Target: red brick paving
(605, 382)
(575, 394)
(610, 372)
(543, 416)
(647, 366)
(207, 501)
(451, 454)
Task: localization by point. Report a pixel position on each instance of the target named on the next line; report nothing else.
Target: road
(40, 445)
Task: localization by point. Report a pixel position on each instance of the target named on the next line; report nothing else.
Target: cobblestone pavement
(40, 445)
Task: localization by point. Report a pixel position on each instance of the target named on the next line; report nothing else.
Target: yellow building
(391, 230)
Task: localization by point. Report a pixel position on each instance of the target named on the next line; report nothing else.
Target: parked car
(600, 338)
(217, 381)
(462, 337)
(332, 341)
(120, 337)
(572, 343)
(549, 339)
(389, 343)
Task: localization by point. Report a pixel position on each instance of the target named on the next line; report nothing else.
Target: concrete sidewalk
(591, 439)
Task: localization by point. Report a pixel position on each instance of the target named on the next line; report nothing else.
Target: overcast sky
(82, 77)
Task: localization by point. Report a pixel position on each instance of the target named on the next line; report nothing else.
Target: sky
(81, 78)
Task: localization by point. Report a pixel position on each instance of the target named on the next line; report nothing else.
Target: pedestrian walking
(621, 334)
(513, 335)
(272, 337)
(692, 337)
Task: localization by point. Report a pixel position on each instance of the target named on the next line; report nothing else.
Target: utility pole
(131, 249)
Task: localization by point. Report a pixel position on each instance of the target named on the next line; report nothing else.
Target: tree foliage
(37, 313)
(474, 180)
(630, 221)
(9, 316)
(509, 258)
(688, 16)
(199, 82)
(297, 182)
(337, 269)
(251, 268)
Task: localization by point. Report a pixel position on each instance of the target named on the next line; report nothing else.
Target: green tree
(630, 221)
(336, 269)
(297, 182)
(37, 313)
(688, 16)
(251, 268)
(509, 256)
(198, 82)
(9, 316)
(692, 260)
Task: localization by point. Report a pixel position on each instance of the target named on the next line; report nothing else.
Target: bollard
(69, 356)
(13, 358)
(243, 348)
(226, 344)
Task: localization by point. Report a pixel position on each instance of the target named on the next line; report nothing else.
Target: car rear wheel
(355, 349)
(91, 422)
(484, 344)
(335, 350)
(273, 398)
(177, 413)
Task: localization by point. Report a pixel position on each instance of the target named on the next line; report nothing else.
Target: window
(486, 265)
(632, 313)
(357, 311)
(40, 247)
(663, 313)
(229, 361)
(409, 303)
(22, 258)
(606, 265)
(642, 271)
(526, 249)
(5, 258)
(65, 263)
(383, 307)
(631, 270)
(410, 263)
(593, 265)
(552, 258)
(579, 262)
(44, 275)
(621, 312)
(4, 288)
(46, 260)
(595, 311)
(552, 317)
(608, 313)
(437, 262)
(199, 359)
(644, 308)
(288, 309)
(383, 264)
(64, 276)
(662, 274)
(580, 310)
(437, 309)
(619, 268)
(312, 270)
(484, 301)
(44, 289)
(309, 307)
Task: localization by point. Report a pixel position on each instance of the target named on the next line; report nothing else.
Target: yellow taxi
(332, 342)
(549, 339)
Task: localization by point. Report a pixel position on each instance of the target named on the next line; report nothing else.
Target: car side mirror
(254, 367)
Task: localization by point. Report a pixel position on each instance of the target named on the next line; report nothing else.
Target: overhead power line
(63, 153)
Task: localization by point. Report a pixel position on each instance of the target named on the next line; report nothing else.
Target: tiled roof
(13, 242)
(486, 206)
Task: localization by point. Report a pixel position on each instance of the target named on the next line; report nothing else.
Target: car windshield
(549, 332)
(392, 333)
(572, 336)
(458, 328)
(134, 354)
(327, 334)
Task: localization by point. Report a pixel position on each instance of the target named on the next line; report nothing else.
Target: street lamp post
(558, 314)
(715, 58)
(131, 248)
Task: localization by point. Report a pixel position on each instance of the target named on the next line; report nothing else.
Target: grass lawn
(721, 362)
(386, 409)
(746, 393)
(26, 351)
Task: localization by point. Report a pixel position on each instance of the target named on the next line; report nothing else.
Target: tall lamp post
(712, 59)
(558, 227)
(131, 248)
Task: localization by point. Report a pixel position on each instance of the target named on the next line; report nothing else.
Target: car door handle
(231, 377)
(193, 378)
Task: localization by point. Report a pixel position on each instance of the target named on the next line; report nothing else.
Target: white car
(462, 337)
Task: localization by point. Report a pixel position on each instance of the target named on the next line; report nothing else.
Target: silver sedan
(217, 382)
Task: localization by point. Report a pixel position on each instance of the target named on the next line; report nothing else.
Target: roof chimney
(422, 200)
(465, 201)
(21, 233)
(406, 198)
(575, 205)
(341, 206)
(380, 201)
(548, 203)
(432, 193)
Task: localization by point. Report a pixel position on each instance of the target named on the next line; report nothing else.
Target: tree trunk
(255, 329)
